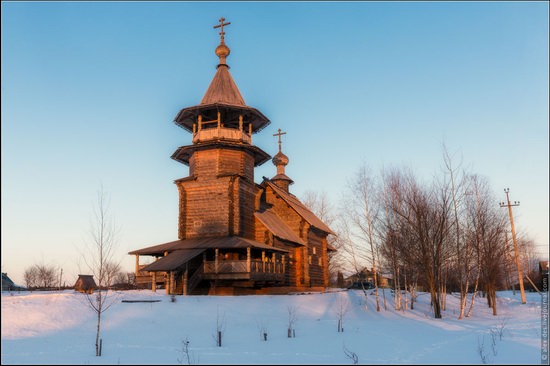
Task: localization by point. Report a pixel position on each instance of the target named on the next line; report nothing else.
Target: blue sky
(90, 91)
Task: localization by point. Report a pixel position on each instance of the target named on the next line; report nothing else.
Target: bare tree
(477, 222)
(99, 255)
(361, 210)
(125, 280)
(220, 328)
(291, 321)
(530, 259)
(487, 226)
(187, 355)
(341, 308)
(41, 276)
(112, 270)
(463, 249)
(30, 276)
(493, 254)
(262, 328)
(420, 219)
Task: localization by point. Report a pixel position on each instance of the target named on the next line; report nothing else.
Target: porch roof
(224, 242)
(173, 260)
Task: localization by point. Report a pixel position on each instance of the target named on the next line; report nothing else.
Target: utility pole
(518, 264)
(508, 262)
(60, 278)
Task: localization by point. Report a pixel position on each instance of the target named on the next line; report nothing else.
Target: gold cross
(221, 25)
(279, 134)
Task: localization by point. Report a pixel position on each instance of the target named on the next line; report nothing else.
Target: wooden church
(235, 236)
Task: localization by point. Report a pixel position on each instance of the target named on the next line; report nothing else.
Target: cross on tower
(221, 25)
(279, 134)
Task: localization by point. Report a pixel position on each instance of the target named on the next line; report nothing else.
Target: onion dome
(280, 159)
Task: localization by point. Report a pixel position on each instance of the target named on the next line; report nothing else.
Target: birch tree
(462, 244)
(361, 211)
(99, 256)
(423, 214)
(489, 240)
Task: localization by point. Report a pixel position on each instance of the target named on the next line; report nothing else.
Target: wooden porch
(183, 271)
(253, 270)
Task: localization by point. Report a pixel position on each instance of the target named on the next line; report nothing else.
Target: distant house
(8, 285)
(543, 273)
(543, 267)
(85, 284)
(366, 275)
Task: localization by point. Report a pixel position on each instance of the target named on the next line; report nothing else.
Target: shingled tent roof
(222, 95)
(223, 90)
(299, 207)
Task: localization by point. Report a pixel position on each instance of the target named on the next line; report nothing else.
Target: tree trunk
(436, 305)
(97, 353)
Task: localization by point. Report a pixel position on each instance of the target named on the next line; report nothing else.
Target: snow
(58, 328)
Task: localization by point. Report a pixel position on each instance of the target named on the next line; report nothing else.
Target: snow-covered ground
(58, 328)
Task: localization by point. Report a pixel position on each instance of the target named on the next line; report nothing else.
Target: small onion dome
(222, 51)
(280, 159)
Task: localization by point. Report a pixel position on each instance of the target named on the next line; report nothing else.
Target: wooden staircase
(195, 279)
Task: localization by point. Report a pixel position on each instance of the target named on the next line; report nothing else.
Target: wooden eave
(185, 179)
(282, 177)
(183, 153)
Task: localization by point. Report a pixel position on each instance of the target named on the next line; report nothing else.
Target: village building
(9, 285)
(235, 236)
(85, 284)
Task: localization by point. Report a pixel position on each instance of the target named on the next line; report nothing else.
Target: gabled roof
(277, 226)
(205, 243)
(300, 208)
(87, 282)
(6, 280)
(223, 90)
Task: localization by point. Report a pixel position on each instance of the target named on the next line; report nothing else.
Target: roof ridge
(298, 206)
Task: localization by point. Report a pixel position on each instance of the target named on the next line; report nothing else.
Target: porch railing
(241, 266)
